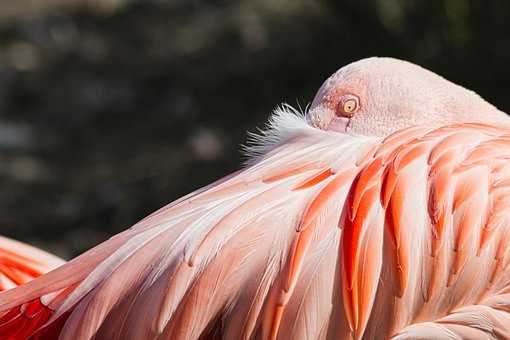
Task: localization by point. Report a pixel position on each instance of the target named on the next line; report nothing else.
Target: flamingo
(380, 213)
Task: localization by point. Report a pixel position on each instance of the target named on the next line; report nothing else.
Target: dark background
(110, 109)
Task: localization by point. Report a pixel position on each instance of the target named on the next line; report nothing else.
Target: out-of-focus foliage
(111, 108)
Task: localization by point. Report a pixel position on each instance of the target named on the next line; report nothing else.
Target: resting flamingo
(383, 212)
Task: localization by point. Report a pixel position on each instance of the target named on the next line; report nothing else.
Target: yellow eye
(348, 105)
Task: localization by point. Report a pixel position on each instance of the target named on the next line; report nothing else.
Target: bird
(381, 212)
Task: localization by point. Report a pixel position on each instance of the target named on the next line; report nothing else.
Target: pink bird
(381, 213)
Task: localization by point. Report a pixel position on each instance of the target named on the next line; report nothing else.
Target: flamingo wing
(326, 236)
(20, 263)
(441, 231)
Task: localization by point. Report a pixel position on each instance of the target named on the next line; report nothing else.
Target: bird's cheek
(339, 124)
(320, 117)
(326, 119)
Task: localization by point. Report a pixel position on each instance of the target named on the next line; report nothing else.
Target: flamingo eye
(347, 106)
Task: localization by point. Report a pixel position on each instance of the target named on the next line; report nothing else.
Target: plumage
(324, 234)
(20, 263)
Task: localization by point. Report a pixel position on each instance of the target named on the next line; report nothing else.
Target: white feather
(287, 122)
(284, 123)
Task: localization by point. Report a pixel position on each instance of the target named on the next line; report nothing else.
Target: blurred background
(110, 109)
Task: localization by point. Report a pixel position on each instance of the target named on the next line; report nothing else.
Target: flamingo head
(377, 96)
